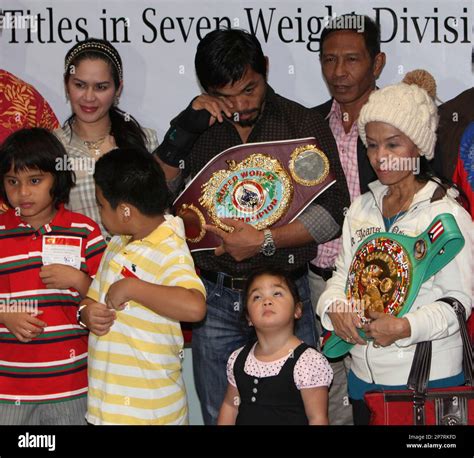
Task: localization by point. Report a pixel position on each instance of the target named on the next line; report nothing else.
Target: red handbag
(419, 405)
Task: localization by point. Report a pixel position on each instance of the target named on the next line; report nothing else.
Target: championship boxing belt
(388, 270)
(262, 184)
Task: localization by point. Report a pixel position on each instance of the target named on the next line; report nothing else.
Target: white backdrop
(157, 41)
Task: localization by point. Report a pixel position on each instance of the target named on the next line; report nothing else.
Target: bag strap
(421, 365)
(467, 360)
(418, 380)
(420, 368)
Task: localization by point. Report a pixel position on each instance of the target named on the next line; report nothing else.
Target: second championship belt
(388, 270)
(262, 184)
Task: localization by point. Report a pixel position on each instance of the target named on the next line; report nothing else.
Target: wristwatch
(78, 315)
(268, 246)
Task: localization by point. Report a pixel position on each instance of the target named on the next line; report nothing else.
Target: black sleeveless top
(271, 400)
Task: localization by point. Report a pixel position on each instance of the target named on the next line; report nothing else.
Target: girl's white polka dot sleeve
(230, 367)
(312, 370)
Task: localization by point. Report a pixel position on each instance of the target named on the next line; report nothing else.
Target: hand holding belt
(262, 184)
(388, 270)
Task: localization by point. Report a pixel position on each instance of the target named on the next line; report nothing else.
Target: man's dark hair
(223, 56)
(371, 31)
(128, 175)
(37, 149)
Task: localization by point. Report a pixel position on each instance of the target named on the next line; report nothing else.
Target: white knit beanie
(408, 107)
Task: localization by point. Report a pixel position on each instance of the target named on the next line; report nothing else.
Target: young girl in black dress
(278, 379)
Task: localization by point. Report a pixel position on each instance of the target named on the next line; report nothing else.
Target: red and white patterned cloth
(21, 105)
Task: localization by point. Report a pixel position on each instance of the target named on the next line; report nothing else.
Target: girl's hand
(24, 326)
(3, 207)
(59, 276)
(346, 323)
(386, 329)
(119, 294)
(230, 406)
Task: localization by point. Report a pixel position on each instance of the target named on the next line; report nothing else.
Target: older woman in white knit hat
(398, 126)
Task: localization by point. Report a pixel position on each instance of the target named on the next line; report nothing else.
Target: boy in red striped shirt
(48, 255)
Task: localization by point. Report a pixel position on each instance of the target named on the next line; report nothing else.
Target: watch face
(269, 249)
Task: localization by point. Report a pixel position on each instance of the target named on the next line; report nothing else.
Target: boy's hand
(118, 294)
(3, 207)
(59, 276)
(24, 326)
(98, 318)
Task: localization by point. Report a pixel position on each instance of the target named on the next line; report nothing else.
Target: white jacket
(429, 319)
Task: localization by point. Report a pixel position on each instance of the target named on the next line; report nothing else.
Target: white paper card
(62, 250)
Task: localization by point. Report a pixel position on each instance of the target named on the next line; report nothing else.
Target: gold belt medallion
(257, 191)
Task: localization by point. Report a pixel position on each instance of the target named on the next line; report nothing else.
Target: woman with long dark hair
(93, 79)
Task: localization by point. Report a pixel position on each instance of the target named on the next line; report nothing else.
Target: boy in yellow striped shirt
(146, 285)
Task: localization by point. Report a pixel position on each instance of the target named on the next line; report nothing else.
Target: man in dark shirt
(240, 107)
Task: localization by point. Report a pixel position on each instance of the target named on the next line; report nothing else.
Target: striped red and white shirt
(52, 366)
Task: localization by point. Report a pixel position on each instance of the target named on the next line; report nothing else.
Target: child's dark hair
(130, 175)
(273, 272)
(37, 148)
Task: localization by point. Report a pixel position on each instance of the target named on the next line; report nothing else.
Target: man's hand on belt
(242, 243)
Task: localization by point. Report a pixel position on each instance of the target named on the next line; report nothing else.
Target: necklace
(94, 146)
(391, 220)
